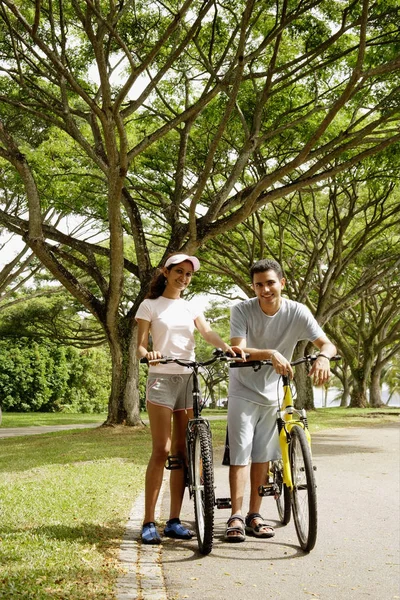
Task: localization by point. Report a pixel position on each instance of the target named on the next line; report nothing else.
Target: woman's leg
(178, 448)
(160, 426)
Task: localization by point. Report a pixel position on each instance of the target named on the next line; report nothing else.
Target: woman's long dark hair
(158, 283)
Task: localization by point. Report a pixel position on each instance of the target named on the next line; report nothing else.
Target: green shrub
(46, 377)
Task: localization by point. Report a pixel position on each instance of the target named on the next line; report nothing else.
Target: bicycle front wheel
(203, 487)
(304, 495)
(282, 493)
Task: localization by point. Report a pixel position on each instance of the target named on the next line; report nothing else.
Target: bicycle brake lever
(218, 352)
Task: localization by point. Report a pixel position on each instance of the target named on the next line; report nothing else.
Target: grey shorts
(252, 432)
(170, 390)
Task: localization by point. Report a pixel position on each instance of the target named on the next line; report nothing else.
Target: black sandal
(255, 530)
(236, 533)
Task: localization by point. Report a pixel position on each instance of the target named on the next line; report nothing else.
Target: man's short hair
(266, 264)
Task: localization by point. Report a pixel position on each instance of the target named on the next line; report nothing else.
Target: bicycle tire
(203, 487)
(282, 495)
(304, 494)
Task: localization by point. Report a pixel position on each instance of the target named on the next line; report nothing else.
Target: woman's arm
(143, 328)
(143, 341)
(213, 338)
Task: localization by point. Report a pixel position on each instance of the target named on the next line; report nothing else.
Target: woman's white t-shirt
(172, 329)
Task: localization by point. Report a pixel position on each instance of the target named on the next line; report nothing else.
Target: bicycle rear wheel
(203, 487)
(304, 495)
(282, 494)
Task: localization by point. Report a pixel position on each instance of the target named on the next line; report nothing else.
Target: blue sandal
(174, 529)
(150, 534)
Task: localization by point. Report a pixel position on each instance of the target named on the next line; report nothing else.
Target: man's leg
(240, 428)
(258, 476)
(237, 482)
(265, 446)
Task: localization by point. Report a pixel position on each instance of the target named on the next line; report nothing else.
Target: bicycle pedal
(173, 462)
(267, 490)
(223, 502)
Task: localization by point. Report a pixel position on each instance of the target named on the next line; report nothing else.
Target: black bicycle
(199, 450)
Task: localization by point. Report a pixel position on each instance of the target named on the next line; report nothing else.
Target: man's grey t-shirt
(293, 322)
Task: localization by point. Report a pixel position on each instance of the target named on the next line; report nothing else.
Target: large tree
(369, 333)
(183, 117)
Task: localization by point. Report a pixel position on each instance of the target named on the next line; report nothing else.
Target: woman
(171, 321)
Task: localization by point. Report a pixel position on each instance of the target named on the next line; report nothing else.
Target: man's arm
(279, 362)
(320, 371)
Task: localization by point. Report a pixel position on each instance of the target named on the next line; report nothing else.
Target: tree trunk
(213, 390)
(358, 398)
(345, 399)
(131, 399)
(124, 402)
(325, 396)
(213, 400)
(304, 388)
(375, 390)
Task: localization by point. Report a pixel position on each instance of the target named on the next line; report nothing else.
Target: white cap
(178, 258)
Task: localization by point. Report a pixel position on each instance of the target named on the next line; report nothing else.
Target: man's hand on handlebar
(281, 365)
(320, 371)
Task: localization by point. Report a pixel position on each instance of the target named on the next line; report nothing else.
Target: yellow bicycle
(292, 480)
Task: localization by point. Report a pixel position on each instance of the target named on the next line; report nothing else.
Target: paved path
(357, 552)
(6, 432)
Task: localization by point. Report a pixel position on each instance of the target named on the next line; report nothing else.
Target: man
(266, 327)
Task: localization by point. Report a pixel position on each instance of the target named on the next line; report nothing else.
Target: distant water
(333, 398)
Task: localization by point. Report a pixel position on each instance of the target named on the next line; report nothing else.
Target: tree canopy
(339, 246)
(165, 124)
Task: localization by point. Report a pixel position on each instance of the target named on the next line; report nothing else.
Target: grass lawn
(64, 502)
(11, 419)
(65, 499)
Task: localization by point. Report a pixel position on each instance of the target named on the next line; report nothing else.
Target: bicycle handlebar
(218, 355)
(309, 358)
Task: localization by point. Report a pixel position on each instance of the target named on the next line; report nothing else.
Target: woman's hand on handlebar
(281, 365)
(235, 351)
(153, 355)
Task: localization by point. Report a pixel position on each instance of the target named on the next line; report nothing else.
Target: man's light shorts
(170, 390)
(252, 432)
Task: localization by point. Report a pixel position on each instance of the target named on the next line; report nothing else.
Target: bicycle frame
(285, 421)
(191, 427)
